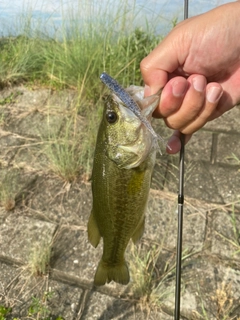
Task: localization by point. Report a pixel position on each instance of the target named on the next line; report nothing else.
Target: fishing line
(180, 214)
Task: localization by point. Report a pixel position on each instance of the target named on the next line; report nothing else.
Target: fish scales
(128, 207)
(123, 162)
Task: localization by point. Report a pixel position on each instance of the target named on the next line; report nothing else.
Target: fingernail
(214, 94)
(179, 88)
(173, 145)
(199, 83)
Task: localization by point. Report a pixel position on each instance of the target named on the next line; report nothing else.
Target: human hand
(198, 64)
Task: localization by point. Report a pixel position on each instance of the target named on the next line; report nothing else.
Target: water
(51, 15)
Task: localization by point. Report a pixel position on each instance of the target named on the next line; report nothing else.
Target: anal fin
(137, 235)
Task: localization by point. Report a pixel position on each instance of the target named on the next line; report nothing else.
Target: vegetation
(38, 309)
(39, 259)
(75, 55)
(8, 190)
(63, 150)
(4, 311)
(149, 287)
(152, 275)
(223, 299)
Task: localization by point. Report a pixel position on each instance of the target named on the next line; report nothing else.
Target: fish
(123, 162)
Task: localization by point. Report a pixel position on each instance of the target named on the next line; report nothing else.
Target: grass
(70, 149)
(11, 98)
(39, 259)
(38, 309)
(9, 189)
(234, 159)
(145, 286)
(223, 300)
(236, 227)
(72, 58)
(4, 311)
(234, 238)
(31, 287)
(75, 54)
(152, 271)
(63, 151)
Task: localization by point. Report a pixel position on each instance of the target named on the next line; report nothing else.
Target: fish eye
(111, 117)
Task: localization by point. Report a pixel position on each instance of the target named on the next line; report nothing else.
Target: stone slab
(161, 222)
(228, 148)
(104, 307)
(18, 291)
(228, 122)
(19, 235)
(30, 157)
(207, 282)
(24, 96)
(65, 300)
(35, 124)
(9, 146)
(16, 186)
(160, 172)
(224, 241)
(61, 202)
(209, 176)
(74, 255)
(204, 181)
(199, 146)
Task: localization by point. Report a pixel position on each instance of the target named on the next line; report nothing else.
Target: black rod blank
(180, 214)
(180, 227)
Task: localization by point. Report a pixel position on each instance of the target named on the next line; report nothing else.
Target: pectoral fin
(93, 231)
(139, 231)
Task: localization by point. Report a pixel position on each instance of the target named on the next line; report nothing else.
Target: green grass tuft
(75, 54)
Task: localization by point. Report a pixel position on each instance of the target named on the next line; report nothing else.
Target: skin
(198, 64)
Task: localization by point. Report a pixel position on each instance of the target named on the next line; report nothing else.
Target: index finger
(157, 66)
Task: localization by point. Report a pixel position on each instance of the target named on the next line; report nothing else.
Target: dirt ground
(47, 264)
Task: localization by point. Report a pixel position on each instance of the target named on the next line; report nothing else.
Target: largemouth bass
(123, 162)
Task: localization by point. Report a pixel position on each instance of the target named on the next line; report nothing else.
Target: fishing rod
(180, 213)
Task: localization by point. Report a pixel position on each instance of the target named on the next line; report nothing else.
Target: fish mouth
(138, 141)
(133, 160)
(129, 156)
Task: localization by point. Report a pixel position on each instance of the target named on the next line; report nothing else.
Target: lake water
(15, 15)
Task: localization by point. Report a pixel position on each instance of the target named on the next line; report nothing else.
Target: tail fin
(105, 273)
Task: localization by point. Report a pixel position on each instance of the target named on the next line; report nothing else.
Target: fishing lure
(124, 96)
